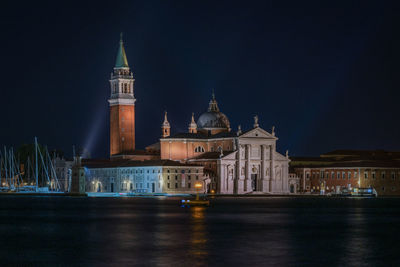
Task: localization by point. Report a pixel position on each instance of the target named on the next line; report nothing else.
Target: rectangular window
(307, 175)
(383, 175)
(373, 175)
(168, 185)
(333, 175)
(197, 177)
(176, 177)
(365, 175)
(168, 177)
(349, 175)
(189, 185)
(355, 175)
(343, 175)
(327, 175)
(189, 177)
(176, 185)
(338, 175)
(393, 176)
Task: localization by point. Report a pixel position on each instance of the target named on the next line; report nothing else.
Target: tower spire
(165, 127)
(192, 125)
(121, 61)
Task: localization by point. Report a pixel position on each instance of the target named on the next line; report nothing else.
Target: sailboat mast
(36, 164)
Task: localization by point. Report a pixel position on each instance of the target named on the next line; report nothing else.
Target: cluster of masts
(36, 174)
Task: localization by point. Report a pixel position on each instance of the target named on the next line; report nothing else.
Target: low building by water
(150, 176)
(339, 169)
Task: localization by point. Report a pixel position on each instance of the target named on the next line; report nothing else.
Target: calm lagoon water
(64, 231)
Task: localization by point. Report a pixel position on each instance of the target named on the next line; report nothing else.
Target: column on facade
(272, 167)
(247, 183)
(264, 187)
(237, 180)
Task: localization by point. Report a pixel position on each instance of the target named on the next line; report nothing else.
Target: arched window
(199, 149)
(219, 149)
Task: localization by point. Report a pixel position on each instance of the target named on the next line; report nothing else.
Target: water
(41, 231)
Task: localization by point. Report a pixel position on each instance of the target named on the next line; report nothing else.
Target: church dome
(213, 118)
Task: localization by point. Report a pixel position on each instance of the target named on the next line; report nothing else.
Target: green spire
(121, 61)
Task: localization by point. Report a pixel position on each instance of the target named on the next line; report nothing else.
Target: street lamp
(198, 186)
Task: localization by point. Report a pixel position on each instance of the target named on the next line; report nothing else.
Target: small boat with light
(197, 201)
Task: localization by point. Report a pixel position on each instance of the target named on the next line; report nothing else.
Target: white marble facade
(254, 167)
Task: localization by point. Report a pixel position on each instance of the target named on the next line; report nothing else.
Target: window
(176, 177)
(343, 175)
(189, 185)
(189, 177)
(349, 175)
(333, 175)
(168, 171)
(322, 175)
(168, 185)
(355, 175)
(307, 175)
(393, 176)
(373, 175)
(199, 149)
(327, 175)
(168, 177)
(183, 171)
(383, 188)
(338, 175)
(197, 177)
(176, 185)
(383, 175)
(365, 175)
(219, 149)
(123, 139)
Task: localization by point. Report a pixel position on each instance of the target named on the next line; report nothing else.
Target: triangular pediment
(230, 156)
(257, 133)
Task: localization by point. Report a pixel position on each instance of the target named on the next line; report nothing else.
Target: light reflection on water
(251, 232)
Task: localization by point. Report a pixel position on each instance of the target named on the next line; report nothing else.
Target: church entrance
(292, 188)
(254, 182)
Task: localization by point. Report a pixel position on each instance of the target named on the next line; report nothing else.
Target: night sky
(325, 74)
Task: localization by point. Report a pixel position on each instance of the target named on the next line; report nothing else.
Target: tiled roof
(213, 155)
(201, 135)
(101, 163)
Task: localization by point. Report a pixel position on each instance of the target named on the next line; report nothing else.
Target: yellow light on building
(198, 185)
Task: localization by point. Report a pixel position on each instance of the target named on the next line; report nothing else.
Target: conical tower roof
(121, 61)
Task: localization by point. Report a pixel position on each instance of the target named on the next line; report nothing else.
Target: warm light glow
(198, 185)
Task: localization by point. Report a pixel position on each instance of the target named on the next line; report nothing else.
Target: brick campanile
(122, 106)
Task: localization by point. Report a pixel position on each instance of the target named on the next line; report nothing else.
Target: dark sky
(325, 73)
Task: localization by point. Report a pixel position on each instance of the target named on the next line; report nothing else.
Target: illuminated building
(150, 176)
(236, 162)
(225, 162)
(339, 169)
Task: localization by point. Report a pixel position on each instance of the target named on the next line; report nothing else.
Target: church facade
(235, 162)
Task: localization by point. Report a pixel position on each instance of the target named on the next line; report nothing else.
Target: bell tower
(122, 106)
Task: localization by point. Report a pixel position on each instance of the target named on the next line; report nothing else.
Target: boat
(358, 192)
